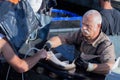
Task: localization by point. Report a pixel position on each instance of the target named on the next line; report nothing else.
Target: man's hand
(44, 54)
(47, 46)
(81, 64)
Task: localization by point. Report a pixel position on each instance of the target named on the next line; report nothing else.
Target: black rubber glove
(47, 46)
(81, 64)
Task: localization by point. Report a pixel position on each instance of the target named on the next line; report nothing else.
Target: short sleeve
(108, 54)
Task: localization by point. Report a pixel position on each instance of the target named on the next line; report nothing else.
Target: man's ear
(99, 26)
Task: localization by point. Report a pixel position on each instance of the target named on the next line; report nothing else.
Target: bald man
(96, 50)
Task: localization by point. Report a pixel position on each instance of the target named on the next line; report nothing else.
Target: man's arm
(102, 68)
(52, 43)
(68, 38)
(55, 42)
(20, 65)
(107, 60)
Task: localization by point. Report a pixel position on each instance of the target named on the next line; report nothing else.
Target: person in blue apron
(19, 24)
(20, 65)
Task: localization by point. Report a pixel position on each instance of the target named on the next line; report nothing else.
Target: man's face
(89, 27)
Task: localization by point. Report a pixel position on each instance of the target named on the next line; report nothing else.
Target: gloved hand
(81, 64)
(47, 46)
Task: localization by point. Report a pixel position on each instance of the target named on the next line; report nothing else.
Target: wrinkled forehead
(89, 18)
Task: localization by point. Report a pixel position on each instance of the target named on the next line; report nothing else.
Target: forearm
(55, 41)
(20, 65)
(102, 68)
(23, 65)
(31, 61)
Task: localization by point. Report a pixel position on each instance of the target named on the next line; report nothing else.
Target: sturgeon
(60, 64)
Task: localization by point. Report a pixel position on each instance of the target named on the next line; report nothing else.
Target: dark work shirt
(105, 54)
(110, 21)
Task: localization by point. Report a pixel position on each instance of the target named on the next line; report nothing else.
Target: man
(96, 51)
(110, 17)
(20, 65)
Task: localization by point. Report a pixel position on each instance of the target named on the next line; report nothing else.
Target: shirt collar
(98, 40)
